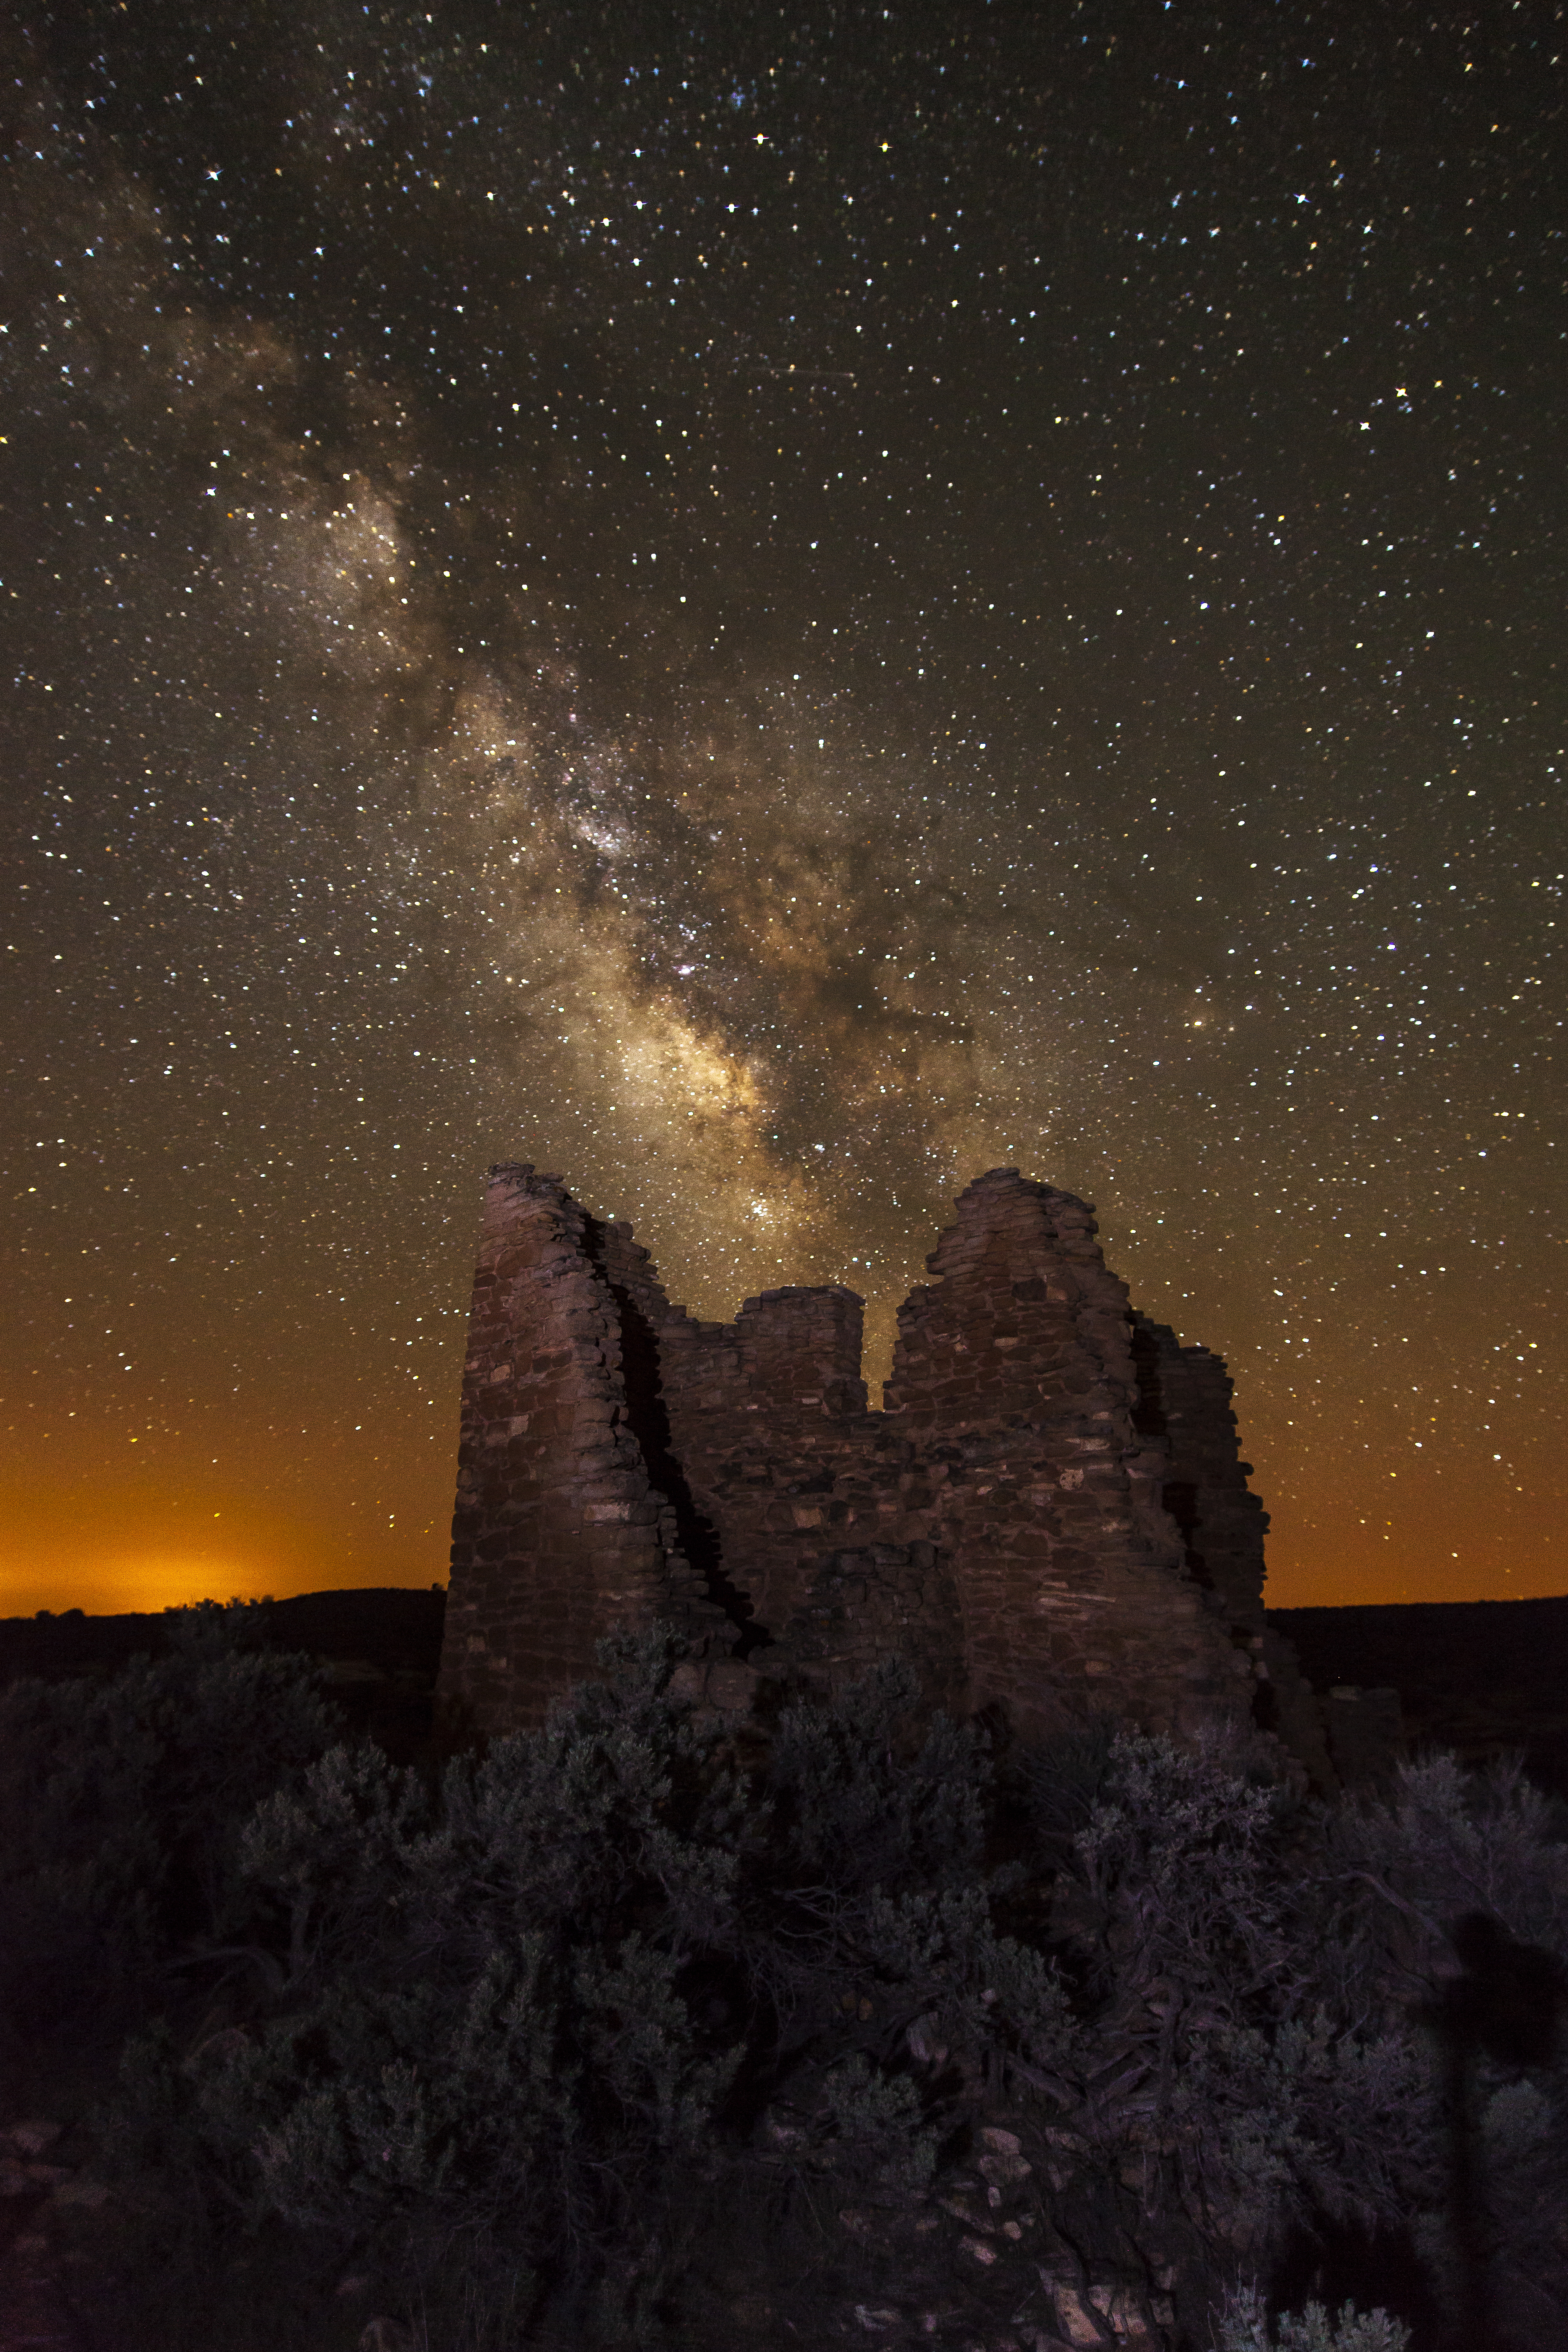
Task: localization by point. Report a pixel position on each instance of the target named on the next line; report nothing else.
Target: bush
(1243, 2327)
(119, 1804)
(590, 2035)
(539, 2016)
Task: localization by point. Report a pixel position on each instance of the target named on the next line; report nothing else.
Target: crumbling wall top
(1052, 1503)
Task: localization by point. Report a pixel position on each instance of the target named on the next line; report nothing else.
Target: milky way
(769, 614)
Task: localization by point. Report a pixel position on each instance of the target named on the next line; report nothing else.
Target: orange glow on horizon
(108, 1546)
(111, 1553)
(344, 1491)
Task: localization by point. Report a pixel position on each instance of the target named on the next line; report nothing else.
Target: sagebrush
(622, 2033)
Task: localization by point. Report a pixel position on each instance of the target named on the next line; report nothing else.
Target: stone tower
(1050, 1513)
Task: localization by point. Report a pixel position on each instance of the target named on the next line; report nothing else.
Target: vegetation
(626, 2032)
(1243, 2327)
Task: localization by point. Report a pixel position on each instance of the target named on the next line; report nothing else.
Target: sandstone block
(1043, 1449)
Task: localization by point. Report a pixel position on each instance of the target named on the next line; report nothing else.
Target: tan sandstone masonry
(1049, 1511)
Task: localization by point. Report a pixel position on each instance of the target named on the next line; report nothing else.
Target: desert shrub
(532, 2027)
(554, 2044)
(1181, 1874)
(1443, 1843)
(119, 1804)
(1212, 2099)
(480, 2060)
(1243, 2327)
(1407, 1883)
(859, 1808)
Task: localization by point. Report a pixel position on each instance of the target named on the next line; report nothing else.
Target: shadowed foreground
(626, 2032)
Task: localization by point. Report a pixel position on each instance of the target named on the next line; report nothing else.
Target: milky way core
(767, 612)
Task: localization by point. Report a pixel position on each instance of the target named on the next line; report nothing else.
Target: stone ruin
(1048, 1516)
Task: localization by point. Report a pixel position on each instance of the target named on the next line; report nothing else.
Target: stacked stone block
(559, 1532)
(1049, 1514)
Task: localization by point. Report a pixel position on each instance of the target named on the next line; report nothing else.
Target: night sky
(769, 610)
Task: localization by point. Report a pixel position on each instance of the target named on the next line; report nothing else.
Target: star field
(768, 613)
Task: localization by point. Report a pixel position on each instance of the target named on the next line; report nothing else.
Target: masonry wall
(1049, 1511)
(560, 1530)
